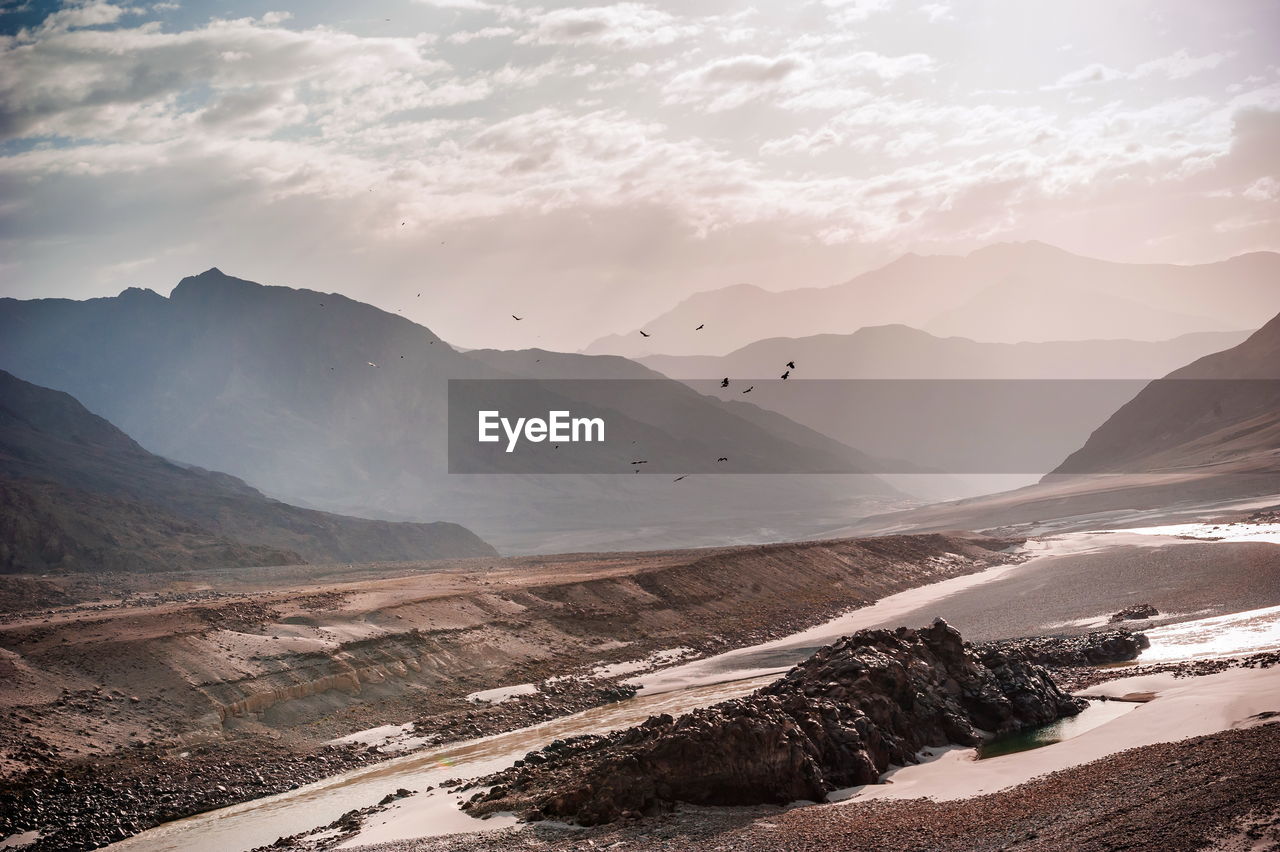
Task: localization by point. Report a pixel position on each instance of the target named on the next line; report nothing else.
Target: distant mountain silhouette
(947, 404)
(901, 352)
(1220, 412)
(78, 494)
(1009, 292)
(275, 385)
(1208, 432)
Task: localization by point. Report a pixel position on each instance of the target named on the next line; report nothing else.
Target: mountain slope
(1208, 434)
(1221, 410)
(993, 294)
(81, 494)
(279, 386)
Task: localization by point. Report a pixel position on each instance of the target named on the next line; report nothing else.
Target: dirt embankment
(324, 660)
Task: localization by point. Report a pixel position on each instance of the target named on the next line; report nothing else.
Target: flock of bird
(724, 383)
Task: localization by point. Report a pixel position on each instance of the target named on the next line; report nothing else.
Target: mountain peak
(213, 281)
(1021, 248)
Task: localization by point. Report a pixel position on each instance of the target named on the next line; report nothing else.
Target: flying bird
(699, 328)
(724, 383)
(791, 365)
(371, 364)
(642, 334)
(678, 478)
(516, 318)
(786, 375)
(750, 389)
(722, 458)
(642, 461)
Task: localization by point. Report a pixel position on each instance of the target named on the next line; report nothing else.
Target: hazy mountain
(1221, 412)
(278, 386)
(79, 494)
(1207, 433)
(900, 352)
(946, 404)
(1008, 292)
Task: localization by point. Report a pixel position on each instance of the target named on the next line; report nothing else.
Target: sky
(588, 166)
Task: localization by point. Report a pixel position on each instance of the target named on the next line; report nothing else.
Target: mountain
(330, 403)
(1221, 411)
(1206, 434)
(901, 352)
(946, 404)
(79, 494)
(1009, 292)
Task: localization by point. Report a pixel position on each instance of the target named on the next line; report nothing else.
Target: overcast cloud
(587, 166)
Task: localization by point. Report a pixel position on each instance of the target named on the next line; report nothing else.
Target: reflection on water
(1230, 635)
(261, 821)
(1098, 713)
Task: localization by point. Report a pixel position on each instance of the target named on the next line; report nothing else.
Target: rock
(1133, 613)
(836, 720)
(1091, 649)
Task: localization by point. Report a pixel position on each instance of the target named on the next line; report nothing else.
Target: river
(673, 690)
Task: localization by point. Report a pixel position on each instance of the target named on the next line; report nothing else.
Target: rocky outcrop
(1091, 649)
(1134, 613)
(837, 720)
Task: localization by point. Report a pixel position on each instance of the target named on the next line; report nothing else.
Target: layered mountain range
(326, 402)
(1008, 293)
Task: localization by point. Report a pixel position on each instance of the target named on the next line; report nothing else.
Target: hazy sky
(586, 166)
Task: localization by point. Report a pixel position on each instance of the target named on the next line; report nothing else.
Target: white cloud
(1176, 66)
(795, 81)
(1180, 65)
(621, 25)
(465, 36)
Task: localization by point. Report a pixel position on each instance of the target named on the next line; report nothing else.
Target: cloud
(1093, 73)
(621, 25)
(465, 36)
(794, 81)
(1180, 65)
(86, 13)
(143, 82)
(1176, 66)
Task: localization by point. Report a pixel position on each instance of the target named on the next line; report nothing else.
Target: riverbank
(102, 691)
(1216, 791)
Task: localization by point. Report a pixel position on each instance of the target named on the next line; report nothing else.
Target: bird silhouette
(791, 365)
(750, 389)
(722, 458)
(642, 461)
(724, 383)
(678, 478)
(371, 364)
(786, 375)
(642, 334)
(516, 318)
(699, 328)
